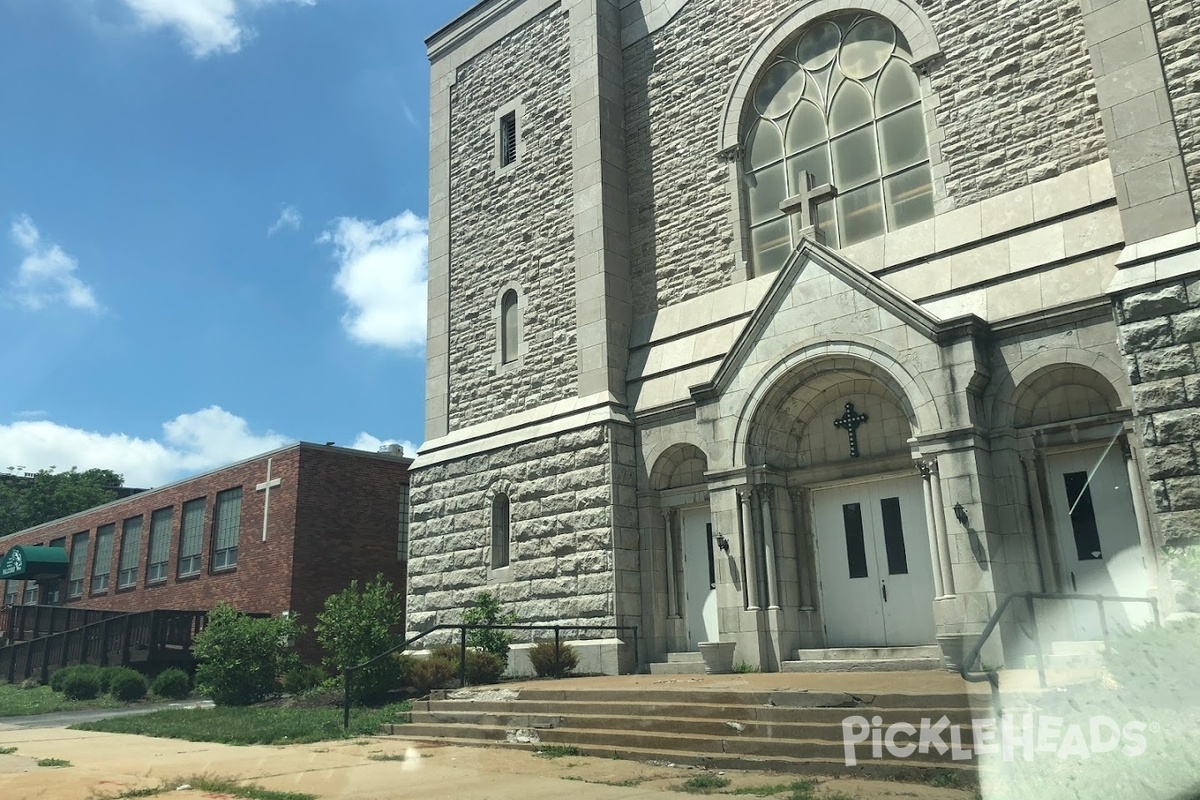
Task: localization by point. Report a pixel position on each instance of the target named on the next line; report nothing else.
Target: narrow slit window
(226, 526)
(510, 327)
(102, 566)
(160, 545)
(856, 546)
(501, 522)
(78, 560)
(191, 535)
(893, 536)
(1083, 517)
(508, 139)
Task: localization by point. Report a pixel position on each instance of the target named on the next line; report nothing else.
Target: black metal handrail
(349, 669)
(993, 676)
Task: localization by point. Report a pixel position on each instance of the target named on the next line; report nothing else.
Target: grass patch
(800, 790)
(948, 779)
(744, 668)
(249, 725)
(18, 702)
(7, 751)
(53, 762)
(627, 783)
(703, 784)
(211, 785)
(557, 751)
(388, 757)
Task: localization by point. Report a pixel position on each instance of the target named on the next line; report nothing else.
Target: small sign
(13, 564)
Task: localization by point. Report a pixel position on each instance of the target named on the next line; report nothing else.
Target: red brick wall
(346, 527)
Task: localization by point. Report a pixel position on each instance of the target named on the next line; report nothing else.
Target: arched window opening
(501, 523)
(840, 102)
(510, 327)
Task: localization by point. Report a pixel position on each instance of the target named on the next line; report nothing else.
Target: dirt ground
(104, 765)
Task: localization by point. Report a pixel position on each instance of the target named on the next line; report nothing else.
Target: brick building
(278, 532)
(809, 324)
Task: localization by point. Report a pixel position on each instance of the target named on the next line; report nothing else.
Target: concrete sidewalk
(106, 764)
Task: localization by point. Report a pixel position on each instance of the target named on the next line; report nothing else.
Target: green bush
(358, 625)
(126, 684)
(105, 674)
(82, 685)
(172, 684)
(240, 658)
(1155, 666)
(542, 656)
(303, 678)
(488, 611)
(484, 667)
(59, 677)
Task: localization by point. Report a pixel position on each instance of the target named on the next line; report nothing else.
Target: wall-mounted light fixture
(722, 542)
(960, 514)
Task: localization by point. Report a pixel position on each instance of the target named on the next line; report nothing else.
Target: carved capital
(745, 494)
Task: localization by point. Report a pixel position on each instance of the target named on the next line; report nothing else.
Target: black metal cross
(805, 204)
(850, 422)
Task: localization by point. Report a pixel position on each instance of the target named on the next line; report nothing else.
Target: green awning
(33, 563)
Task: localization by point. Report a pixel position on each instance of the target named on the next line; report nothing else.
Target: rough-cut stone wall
(514, 226)
(1017, 104)
(1160, 334)
(1178, 28)
(564, 549)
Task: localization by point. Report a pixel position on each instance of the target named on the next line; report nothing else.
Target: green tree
(240, 658)
(49, 495)
(488, 611)
(358, 625)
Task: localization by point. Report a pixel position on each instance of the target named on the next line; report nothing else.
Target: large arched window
(842, 102)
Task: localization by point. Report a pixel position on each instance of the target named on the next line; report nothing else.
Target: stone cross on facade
(850, 422)
(266, 487)
(805, 204)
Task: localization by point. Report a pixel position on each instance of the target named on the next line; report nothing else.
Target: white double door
(699, 576)
(875, 570)
(1098, 538)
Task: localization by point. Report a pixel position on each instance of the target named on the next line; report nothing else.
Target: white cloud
(206, 26)
(288, 218)
(47, 274)
(191, 443)
(382, 277)
(366, 441)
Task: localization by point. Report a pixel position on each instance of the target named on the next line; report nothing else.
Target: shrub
(487, 611)
(126, 684)
(172, 683)
(542, 656)
(59, 676)
(435, 672)
(240, 658)
(484, 667)
(82, 685)
(303, 678)
(358, 625)
(1155, 665)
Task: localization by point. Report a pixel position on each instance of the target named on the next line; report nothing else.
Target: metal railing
(992, 676)
(462, 629)
(22, 623)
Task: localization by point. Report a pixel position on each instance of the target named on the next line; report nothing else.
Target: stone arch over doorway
(679, 465)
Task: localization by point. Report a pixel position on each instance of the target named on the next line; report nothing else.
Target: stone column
(669, 515)
(749, 553)
(772, 549)
(939, 588)
(1041, 532)
(1139, 507)
(804, 549)
(939, 521)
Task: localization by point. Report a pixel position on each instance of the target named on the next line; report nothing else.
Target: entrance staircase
(796, 731)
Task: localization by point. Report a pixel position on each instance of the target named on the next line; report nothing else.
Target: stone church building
(810, 325)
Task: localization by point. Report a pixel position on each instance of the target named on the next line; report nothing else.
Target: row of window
(226, 526)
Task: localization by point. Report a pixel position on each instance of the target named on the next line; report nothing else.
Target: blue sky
(212, 228)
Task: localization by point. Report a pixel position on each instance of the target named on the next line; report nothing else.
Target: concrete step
(873, 665)
(623, 698)
(684, 658)
(677, 668)
(869, 653)
(467, 711)
(917, 768)
(828, 728)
